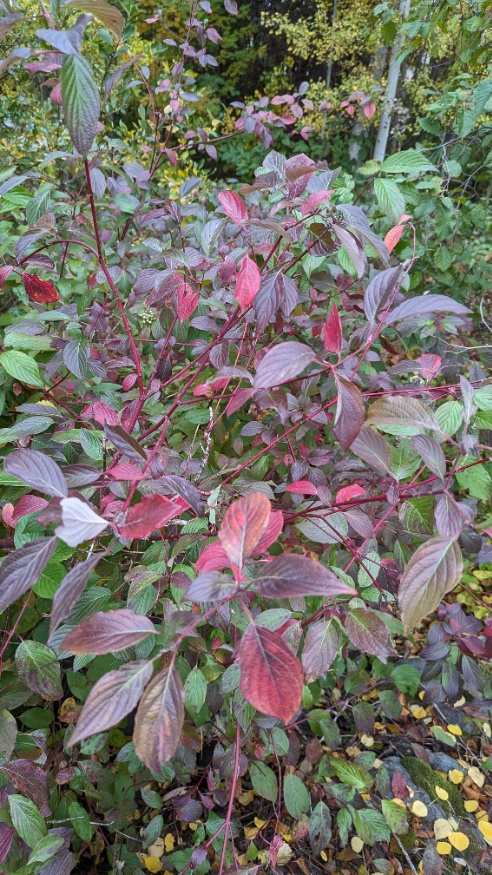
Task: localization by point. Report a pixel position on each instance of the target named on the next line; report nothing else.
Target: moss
(427, 779)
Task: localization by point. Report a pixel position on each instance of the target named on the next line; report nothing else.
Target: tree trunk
(393, 77)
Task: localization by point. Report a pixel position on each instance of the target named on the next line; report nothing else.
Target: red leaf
(213, 558)
(159, 719)
(39, 291)
(5, 272)
(393, 237)
(151, 513)
(247, 282)
(333, 332)
(244, 523)
(271, 676)
(369, 109)
(302, 487)
(101, 413)
(128, 382)
(187, 301)
(314, 200)
(108, 632)
(233, 206)
(430, 365)
(349, 492)
(126, 471)
(27, 504)
(273, 529)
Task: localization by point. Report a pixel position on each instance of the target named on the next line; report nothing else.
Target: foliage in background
(245, 488)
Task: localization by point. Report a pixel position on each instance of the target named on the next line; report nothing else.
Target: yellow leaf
(418, 808)
(459, 840)
(443, 848)
(357, 844)
(250, 832)
(157, 849)
(455, 776)
(454, 729)
(284, 854)
(399, 802)
(259, 823)
(487, 728)
(481, 575)
(366, 796)
(477, 776)
(367, 740)
(324, 856)
(169, 843)
(442, 828)
(471, 805)
(246, 798)
(419, 712)
(421, 695)
(152, 864)
(480, 814)
(485, 828)
(440, 793)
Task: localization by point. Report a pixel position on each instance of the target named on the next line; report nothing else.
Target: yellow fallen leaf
(440, 793)
(353, 750)
(471, 805)
(418, 808)
(481, 575)
(477, 776)
(157, 849)
(459, 840)
(454, 729)
(367, 740)
(357, 844)
(481, 814)
(442, 828)
(366, 796)
(324, 856)
(284, 854)
(443, 848)
(246, 798)
(460, 702)
(250, 832)
(487, 728)
(399, 802)
(419, 712)
(485, 828)
(152, 864)
(169, 843)
(455, 776)
(259, 823)
(421, 695)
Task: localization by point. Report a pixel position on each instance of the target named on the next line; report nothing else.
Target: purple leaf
(431, 453)
(38, 471)
(22, 568)
(350, 412)
(425, 304)
(108, 632)
(321, 647)
(211, 587)
(159, 719)
(124, 442)
(70, 589)
(30, 780)
(368, 632)
(282, 363)
(434, 570)
(112, 698)
(380, 291)
(291, 575)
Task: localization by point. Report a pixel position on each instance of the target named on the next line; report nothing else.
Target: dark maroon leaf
(38, 471)
(159, 719)
(151, 513)
(112, 698)
(27, 504)
(321, 647)
(186, 490)
(354, 249)
(368, 633)
(70, 589)
(349, 417)
(22, 568)
(332, 333)
(271, 676)
(282, 363)
(30, 780)
(244, 523)
(108, 632)
(426, 304)
(80, 475)
(370, 446)
(380, 291)
(7, 833)
(39, 291)
(247, 282)
(291, 575)
(449, 521)
(431, 453)
(124, 442)
(211, 587)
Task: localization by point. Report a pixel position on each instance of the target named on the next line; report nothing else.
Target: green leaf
(390, 199)
(8, 733)
(296, 796)
(476, 480)
(39, 669)
(351, 774)
(390, 704)
(21, 367)
(26, 819)
(410, 162)
(195, 691)
(396, 817)
(264, 781)
(401, 415)
(80, 99)
(406, 678)
(320, 828)
(45, 849)
(450, 416)
(371, 826)
(81, 821)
